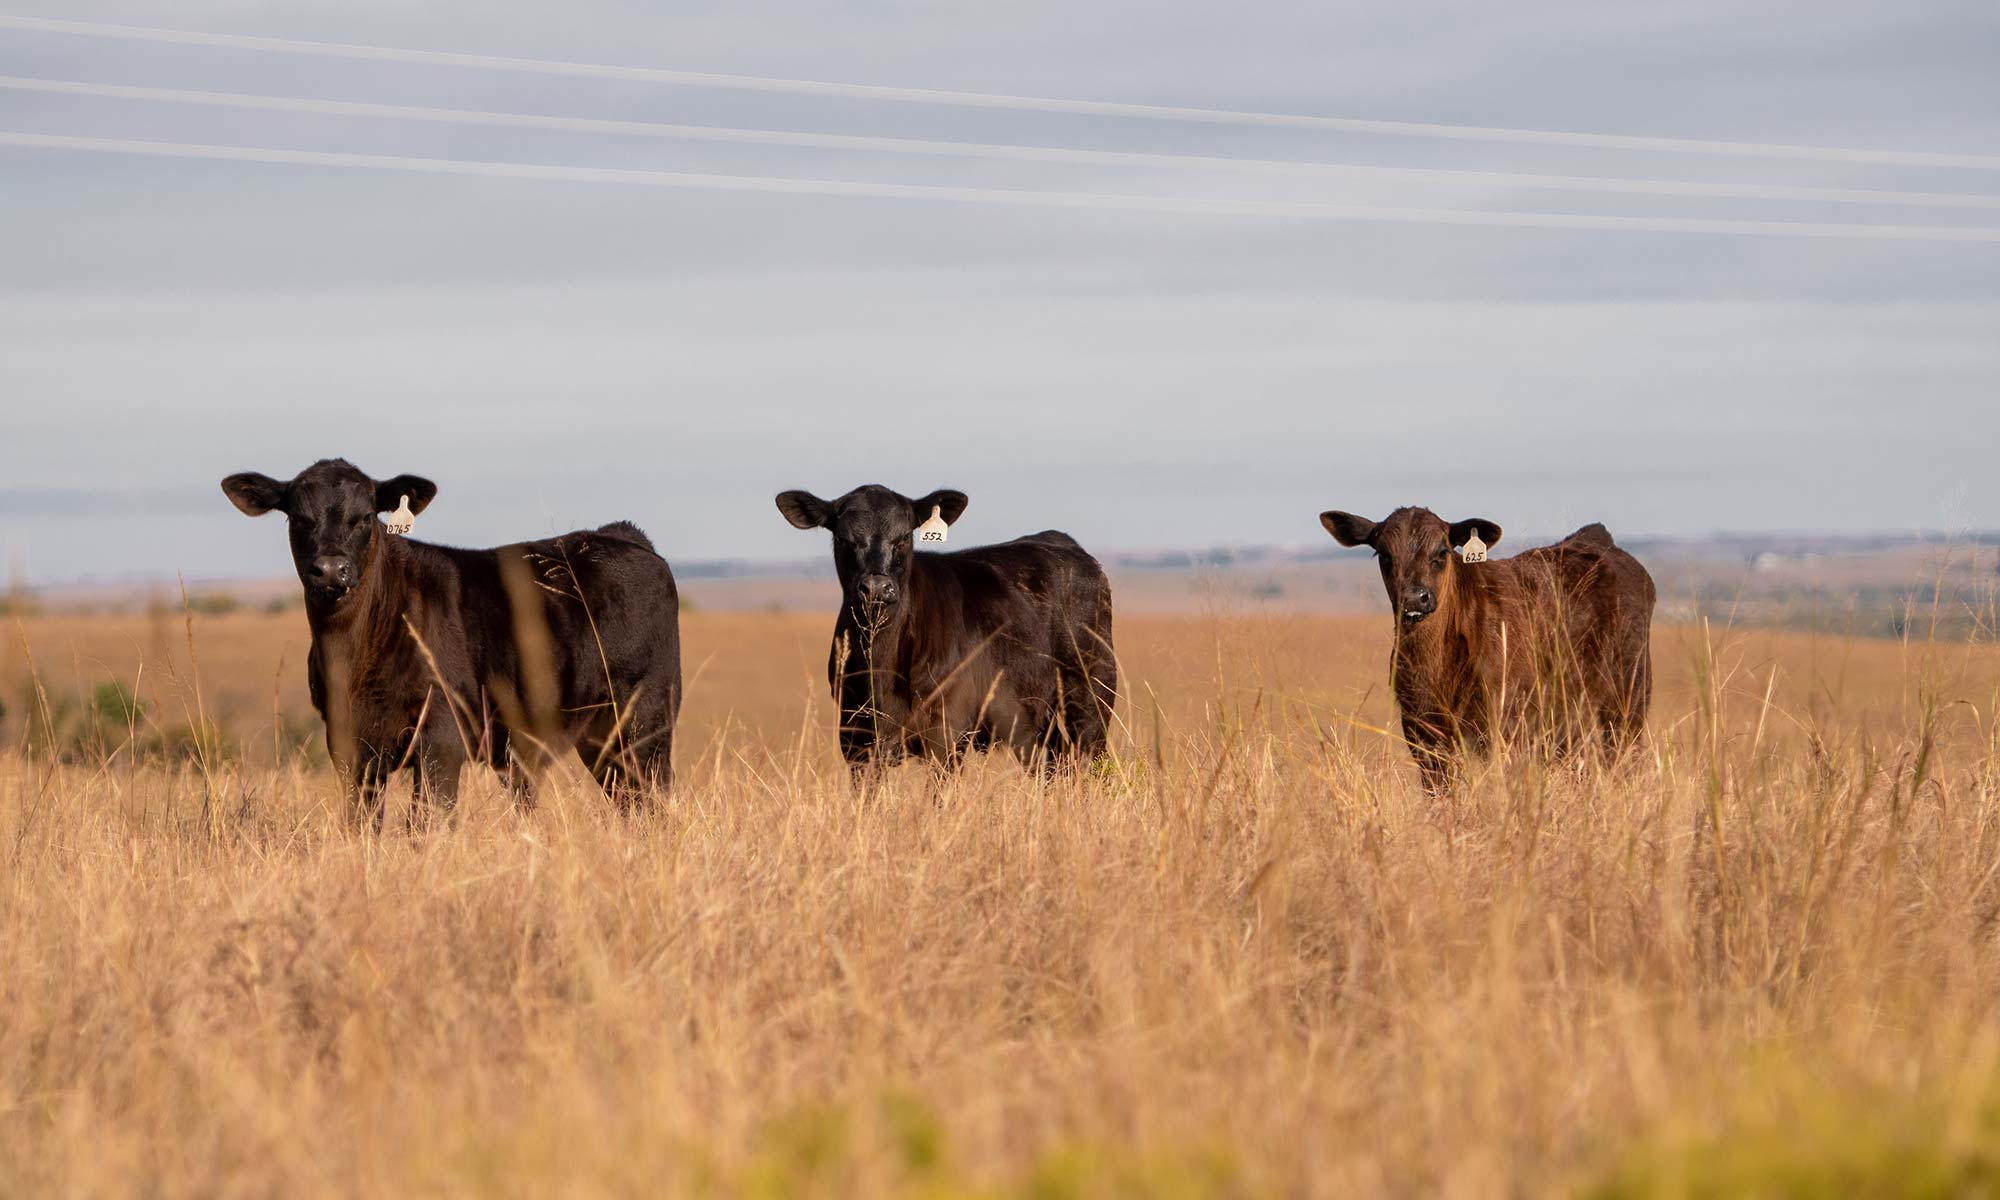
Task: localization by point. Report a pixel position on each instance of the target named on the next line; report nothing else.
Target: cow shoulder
(1053, 537)
(1594, 534)
(1031, 570)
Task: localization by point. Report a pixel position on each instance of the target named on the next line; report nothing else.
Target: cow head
(1413, 547)
(872, 530)
(330, 511)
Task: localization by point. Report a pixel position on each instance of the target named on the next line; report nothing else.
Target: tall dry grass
(1248, 958)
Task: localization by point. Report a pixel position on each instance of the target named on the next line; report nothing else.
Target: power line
(1048, 154)
(1038, 199)
(1102, 108)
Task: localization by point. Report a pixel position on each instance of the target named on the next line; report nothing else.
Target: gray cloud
(558, 354)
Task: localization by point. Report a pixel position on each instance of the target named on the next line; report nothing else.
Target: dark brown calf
(425, 656)
(936, 654)
(1549, 649)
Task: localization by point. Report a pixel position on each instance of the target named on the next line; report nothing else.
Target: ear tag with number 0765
(402, 520)
(1475, 550)
(931, 532)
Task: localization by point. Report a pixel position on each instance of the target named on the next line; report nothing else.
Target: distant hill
(1871, 584)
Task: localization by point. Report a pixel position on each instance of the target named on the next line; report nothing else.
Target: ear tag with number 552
(1475, 550)
(402, 520)
(931, 532)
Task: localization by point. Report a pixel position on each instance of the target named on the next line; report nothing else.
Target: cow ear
(1461, 531)
(948, 503)
(390, 492)
(254, 494)
(1348, 529)
(804, 510)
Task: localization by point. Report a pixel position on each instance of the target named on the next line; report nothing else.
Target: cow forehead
(1411, 527)
(329, 481)
(871, 510)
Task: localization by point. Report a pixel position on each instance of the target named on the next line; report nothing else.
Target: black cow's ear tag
(1474, 550)
(931, 532)
(402, 520)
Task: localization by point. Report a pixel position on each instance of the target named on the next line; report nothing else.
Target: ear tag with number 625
(1475, 550)
(931, 532)
(402, 520)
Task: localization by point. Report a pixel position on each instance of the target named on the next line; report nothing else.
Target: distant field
(1246, 958)
(1876, 587)
(758, 679)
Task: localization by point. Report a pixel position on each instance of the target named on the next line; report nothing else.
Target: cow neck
(1462, 603)
(883, 643)
(371, 615)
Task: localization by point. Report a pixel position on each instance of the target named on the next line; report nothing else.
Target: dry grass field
(1247, 958)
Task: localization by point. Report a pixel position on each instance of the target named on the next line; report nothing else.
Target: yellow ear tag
(402, 520)
(1475, 550)
(931, 532)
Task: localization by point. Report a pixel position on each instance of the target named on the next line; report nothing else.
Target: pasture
(1247, 957)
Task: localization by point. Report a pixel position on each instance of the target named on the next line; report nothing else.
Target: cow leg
(868, 755)
(867, 763)
(1052, 755)
(605, 749)
(1436, 752)
(656, 761)
(1437, 757)
(633, 777)
(857, 740)
(612, 776)
(866, 766)
(520, 783)
(942, 754)
(528, 760)
(936, 742)
(1045, 747)
(437, 772)
(649, 753)
(960, 745)
(364, 786)
(497, 748)
(499, 752)
(1089, 691)
(631, 762)
(1089, 740)
(1034, 743)
(1622, 717)
(608, 765)
(1437, 770)
(1084, 722)
(433, 752)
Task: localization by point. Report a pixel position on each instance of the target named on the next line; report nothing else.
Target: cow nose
(1418, 603)
(331, 571)
(878, 589)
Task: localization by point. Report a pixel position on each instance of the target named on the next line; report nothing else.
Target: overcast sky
(557, 354)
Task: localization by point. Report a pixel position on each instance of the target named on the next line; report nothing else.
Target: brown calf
(1550, 648)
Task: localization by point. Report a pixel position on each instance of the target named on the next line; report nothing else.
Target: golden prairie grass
(1248, 958)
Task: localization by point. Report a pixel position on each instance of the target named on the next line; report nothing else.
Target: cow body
(935, 654)
(424, 656)
(1549, 649)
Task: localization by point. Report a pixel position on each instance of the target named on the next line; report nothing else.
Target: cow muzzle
(330, 578)
(1418, 603)
(876, 591)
